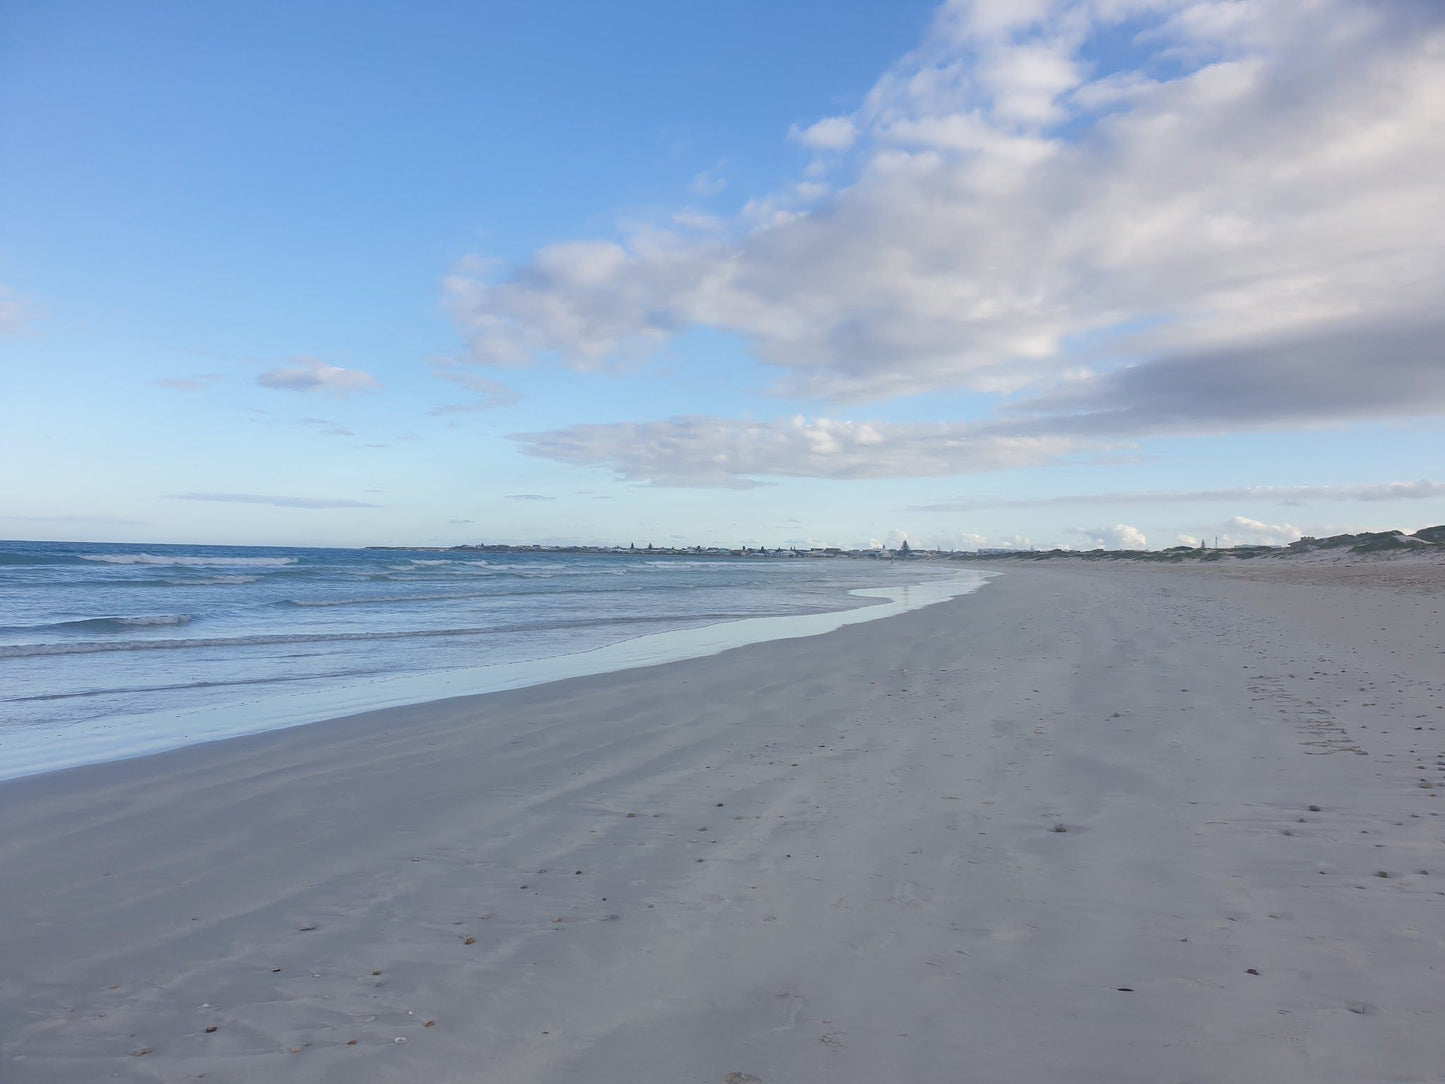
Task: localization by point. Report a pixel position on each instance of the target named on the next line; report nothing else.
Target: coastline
(36, 750)
(833, 858)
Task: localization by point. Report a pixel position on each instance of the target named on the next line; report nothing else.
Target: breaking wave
(85, 647)
(108, 624)
(201, 562)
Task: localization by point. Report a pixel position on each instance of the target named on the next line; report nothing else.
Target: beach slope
(1090, 824)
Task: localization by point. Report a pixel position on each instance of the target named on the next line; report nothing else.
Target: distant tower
(903, 550)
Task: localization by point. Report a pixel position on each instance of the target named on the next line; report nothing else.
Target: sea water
(111, 650)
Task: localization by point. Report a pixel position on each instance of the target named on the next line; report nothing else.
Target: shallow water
(110, 650)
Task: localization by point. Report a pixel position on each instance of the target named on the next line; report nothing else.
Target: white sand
(842, 865)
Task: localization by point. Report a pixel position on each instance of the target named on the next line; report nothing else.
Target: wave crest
(199, 562)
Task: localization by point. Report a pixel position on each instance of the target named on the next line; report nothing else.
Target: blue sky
(979, 274)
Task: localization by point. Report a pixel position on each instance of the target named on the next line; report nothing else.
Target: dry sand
(826, 860)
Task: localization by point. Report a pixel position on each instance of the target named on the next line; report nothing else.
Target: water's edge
(36, 751)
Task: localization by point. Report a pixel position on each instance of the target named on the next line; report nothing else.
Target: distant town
(1425, 539)
(649, 550)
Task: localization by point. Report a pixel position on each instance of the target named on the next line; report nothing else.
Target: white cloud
(1121, 536)
(959, 20)
(315, 375)
(698, 220)
(708, 451)
(970, 540)
(828, 134)
(1025, 81)
(1241, 530)
(1250, 218)
(710, 182)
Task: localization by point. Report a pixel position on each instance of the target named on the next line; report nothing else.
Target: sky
(831, 272)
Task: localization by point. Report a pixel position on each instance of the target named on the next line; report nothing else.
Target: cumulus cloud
(1121, 536)
(949, 541)
(1241, 530)
(828, 134)
(1242, 228)
(1378, 491)
(274, 501)
(709, 451)
(315, 375)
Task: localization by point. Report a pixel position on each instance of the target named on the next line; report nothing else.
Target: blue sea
(111, 650)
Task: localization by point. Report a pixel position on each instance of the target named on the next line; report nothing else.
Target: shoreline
(832, 859)
(38, 750)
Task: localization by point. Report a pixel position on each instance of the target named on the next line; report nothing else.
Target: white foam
(153, 559)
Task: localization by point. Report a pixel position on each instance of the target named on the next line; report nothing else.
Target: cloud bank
(1239, 225)
(704, 451)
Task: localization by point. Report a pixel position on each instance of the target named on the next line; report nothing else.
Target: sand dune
(1092, 823)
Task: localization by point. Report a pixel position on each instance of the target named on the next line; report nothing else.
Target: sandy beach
(1091, 823)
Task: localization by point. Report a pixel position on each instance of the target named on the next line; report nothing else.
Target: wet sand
(1091, 823)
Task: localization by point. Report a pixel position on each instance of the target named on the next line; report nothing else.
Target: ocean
(112, 650)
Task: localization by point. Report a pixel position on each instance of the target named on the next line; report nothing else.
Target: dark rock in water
(1060, 828)
(1314, 809)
